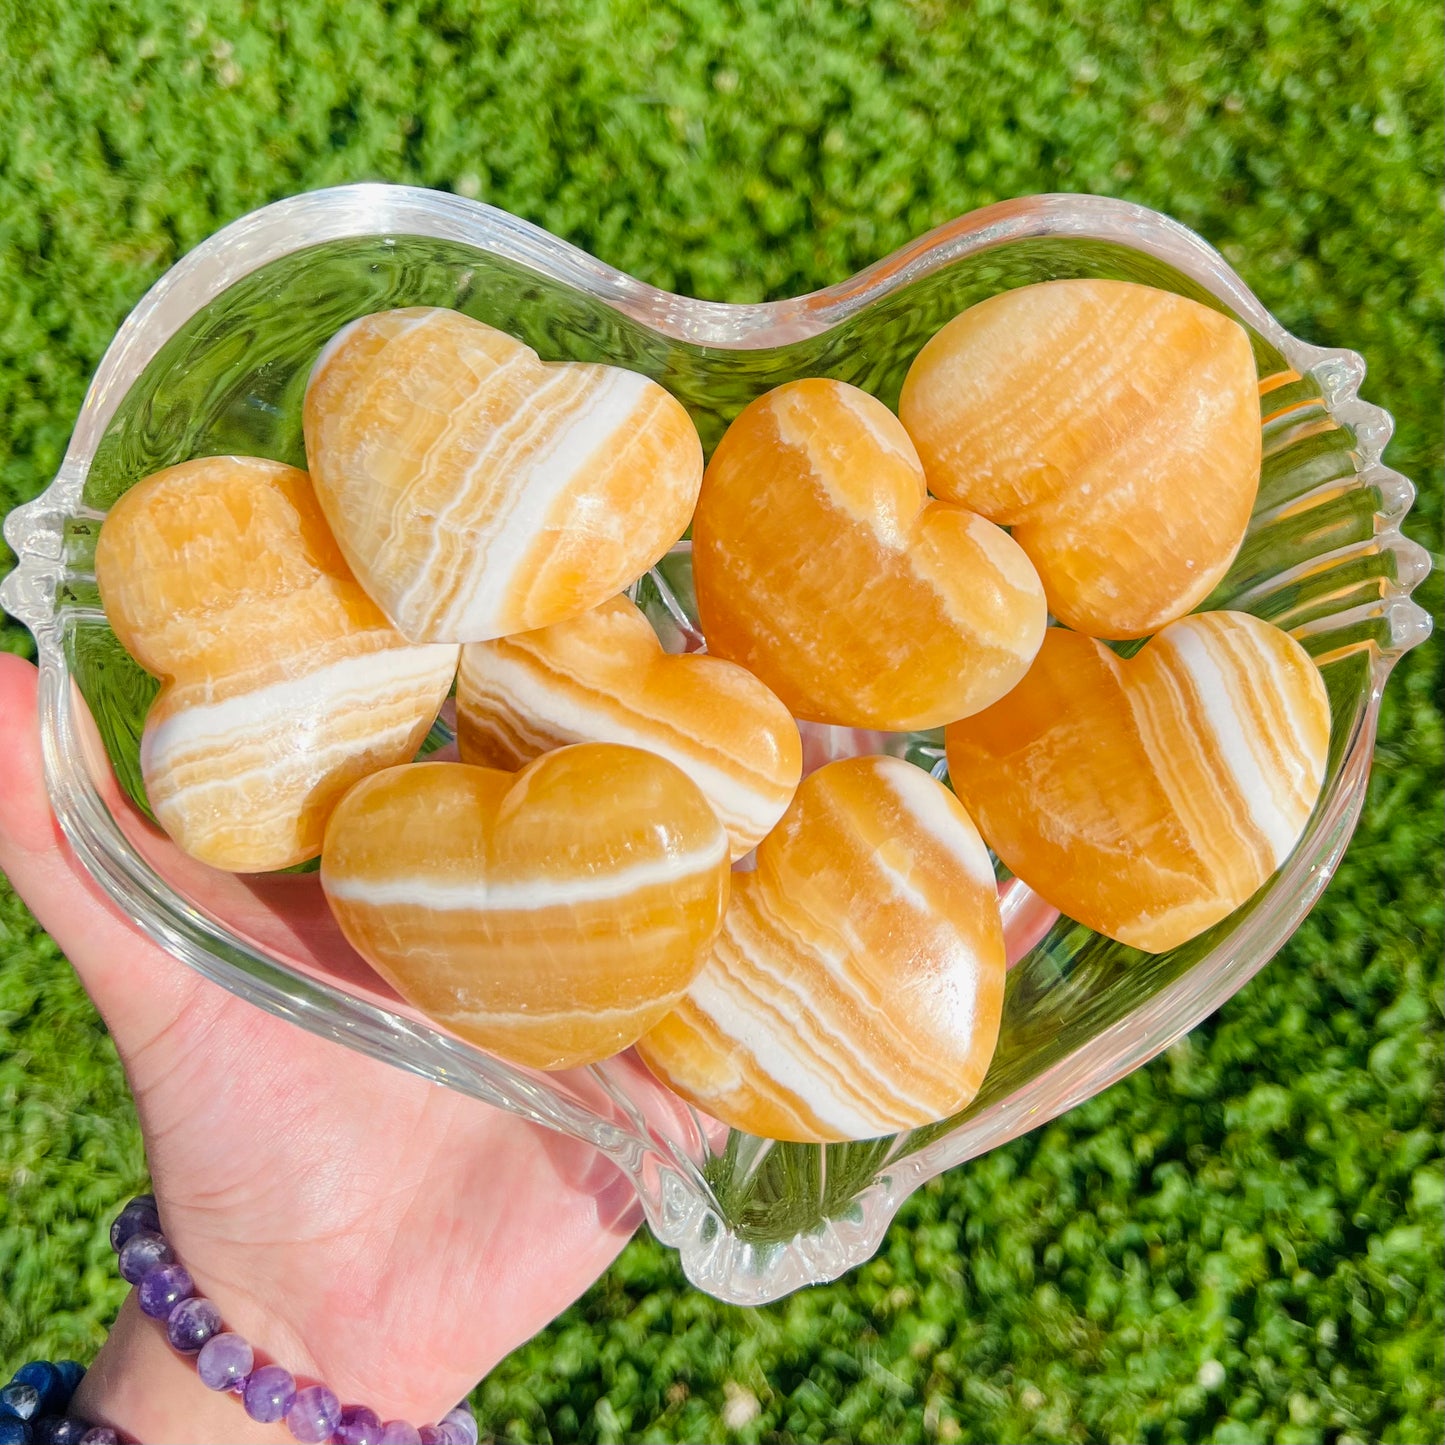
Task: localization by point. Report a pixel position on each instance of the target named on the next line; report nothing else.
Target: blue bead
(14, 1432)
(60, 1430)
(71, 1374)
(46, 1379)
(19, 1402)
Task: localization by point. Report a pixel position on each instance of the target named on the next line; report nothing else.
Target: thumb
(139, 989)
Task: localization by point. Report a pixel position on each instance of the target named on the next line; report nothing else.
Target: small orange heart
(1113, 427)
(603, 677)
(1147, 799)
(822, 567)
(857, 984)
(282, 683)
(550, 915)
(477, 491)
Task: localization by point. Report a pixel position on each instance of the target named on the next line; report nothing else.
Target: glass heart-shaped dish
(214, 360)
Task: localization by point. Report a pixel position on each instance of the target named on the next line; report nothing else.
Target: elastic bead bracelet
(225, 1361)
(35, 1408)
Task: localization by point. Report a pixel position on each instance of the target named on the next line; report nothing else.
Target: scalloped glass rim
(688, 1190)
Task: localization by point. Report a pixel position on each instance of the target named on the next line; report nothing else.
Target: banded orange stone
(1149, 798)
(822, 567)
(477, 491)
(603, 677)
(1115, 428)
(281, 681)
(550, 916)
(857, 984)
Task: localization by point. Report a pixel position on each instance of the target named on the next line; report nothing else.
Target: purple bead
(139, 1214)
(314, 1414)
(100, 1435)
(191, 1324)
(399, 1432)
(163, 1289)
(461, 1425)
(432, 1435)
(143, 1252)
(224, 1361)
(269, 1393)
(358, 1426)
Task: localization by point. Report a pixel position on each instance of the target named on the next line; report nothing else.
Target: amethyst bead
(314, 1415)
(191, 1324)
(100, 1435)
(139, 1214)
(399, 1432)
(358, 1426)
(144, 1251)
(269, 1393)
(224, 1361)
(163, 1289)
(432, 1435)
(461, 1425)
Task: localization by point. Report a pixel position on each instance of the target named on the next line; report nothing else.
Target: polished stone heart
(551, 915)
(1113, 427)
(603, 677)
(822, 566)
(1149, 798)
(857, 984)
(477, 491)
(281, 681)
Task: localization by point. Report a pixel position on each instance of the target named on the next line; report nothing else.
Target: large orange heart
(857, 984)
(282, 683)
(821, 566)
(1113, 427)
(477, 491)
(550, 915)
(1149, 798)
(603, 677)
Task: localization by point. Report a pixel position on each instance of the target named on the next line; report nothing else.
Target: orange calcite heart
(282, 683)
(1114, 428)
(550, 915)
(857, 984)
(477, 491)
(1147, 799)
(822, 566)
(603, 677)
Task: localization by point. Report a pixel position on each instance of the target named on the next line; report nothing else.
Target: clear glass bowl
(215, 358)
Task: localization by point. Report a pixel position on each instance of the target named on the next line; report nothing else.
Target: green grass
(1240, 1242)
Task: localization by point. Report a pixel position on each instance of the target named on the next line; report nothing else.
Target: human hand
(358, 1225)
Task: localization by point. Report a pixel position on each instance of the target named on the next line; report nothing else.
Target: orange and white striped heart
(603, 677)
(281, 682)
(1149, 798)
(550, 915)
(477, 491)
(857, 984)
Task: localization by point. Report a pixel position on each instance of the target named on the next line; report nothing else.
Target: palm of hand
(360, 1225)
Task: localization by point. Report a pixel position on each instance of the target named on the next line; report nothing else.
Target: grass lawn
(1240, 1242)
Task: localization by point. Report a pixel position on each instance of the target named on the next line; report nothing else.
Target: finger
(138, 987)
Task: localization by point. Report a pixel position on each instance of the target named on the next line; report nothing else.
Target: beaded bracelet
(225, 1361)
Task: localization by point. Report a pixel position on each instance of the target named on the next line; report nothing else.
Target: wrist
(145, 1391)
